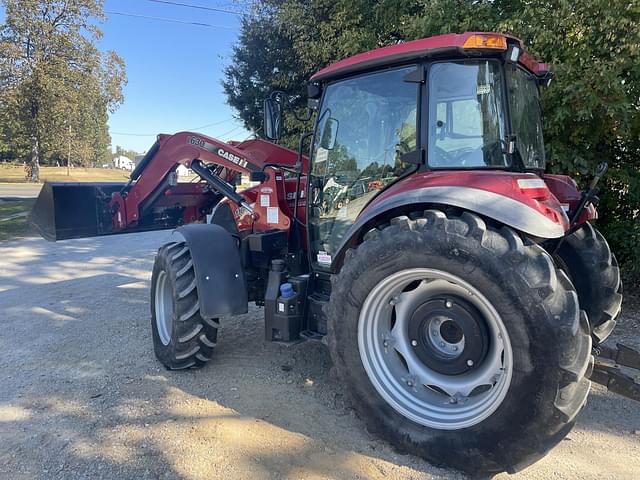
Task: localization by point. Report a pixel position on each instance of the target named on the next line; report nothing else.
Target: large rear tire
(593, 269)
(459, 342)
(182, 338)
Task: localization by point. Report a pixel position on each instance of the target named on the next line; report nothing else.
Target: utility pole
(69, 154)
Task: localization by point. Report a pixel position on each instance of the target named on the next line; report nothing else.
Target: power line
(134, 134)
(230, 131)
(211, 124)
(127, 134)
(200, 7)
(171, 20)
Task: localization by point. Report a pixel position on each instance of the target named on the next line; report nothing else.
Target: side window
(466, 115)
(526, 117)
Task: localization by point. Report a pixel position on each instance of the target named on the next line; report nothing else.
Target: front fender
(220, 278)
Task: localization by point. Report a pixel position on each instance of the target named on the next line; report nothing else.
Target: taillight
(534, 188)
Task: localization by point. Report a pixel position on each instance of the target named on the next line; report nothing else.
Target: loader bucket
(73, 210)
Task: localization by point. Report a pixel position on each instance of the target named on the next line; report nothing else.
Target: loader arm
(153, 178)
(152, 199)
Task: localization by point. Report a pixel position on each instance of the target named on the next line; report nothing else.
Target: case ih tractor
(459, 288)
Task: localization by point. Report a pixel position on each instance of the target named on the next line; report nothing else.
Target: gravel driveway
(19, 190)
(82, 396)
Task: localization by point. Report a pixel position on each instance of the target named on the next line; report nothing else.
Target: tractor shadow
(82, 395)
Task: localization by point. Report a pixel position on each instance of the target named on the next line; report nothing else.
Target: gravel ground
(82, 396)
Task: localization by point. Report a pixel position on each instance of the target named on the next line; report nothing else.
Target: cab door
(366, 124)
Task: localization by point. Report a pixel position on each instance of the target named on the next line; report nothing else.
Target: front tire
(517, 319)
(182, 338)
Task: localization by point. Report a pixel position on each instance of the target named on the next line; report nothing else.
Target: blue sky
(174, 70)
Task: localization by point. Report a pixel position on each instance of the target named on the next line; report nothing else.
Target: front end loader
(461, 290)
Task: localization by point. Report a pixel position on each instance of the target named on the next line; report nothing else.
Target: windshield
(466, 115)
(365, 125)
(526, 116)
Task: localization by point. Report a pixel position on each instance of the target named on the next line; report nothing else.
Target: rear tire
(182, 338)
(594, 271)
(547, 342)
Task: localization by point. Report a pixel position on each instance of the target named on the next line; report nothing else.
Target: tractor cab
(452, 102)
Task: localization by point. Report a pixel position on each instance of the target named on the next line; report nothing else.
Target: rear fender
(565, 189)
(220, 278)
(508, 208)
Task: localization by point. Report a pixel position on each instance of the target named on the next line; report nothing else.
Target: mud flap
(73, 210)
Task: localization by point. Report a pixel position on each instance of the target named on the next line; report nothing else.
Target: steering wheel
(454, 158)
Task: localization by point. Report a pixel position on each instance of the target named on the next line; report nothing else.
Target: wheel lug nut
(448, 304)
(435, 332)
(470, 363)
(385, 344)
(455, 349)
(414, 343)
(442, 344)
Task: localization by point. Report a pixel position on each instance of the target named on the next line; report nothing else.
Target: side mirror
(314, 90)
(329, 134)
(272, 119)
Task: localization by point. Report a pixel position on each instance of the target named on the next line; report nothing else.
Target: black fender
(487, 204)
(220, 280)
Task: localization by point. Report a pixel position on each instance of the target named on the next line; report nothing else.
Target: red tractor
(459, 287)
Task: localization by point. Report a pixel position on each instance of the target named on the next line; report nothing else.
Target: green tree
(282, 43)
(592, 109)
(262, 62)
(56, 86)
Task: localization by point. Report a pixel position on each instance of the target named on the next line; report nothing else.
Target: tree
(56, 86)
(592, 109)
(262, 62)
(282, 43)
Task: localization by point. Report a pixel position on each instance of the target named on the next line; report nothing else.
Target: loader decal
(200, 143)
(232, 158)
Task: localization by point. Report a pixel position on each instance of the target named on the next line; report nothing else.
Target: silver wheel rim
(164, 307)
(418, 392)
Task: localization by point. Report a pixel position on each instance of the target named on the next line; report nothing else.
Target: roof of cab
(401, 52)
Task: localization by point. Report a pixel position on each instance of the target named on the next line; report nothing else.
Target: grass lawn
(16, 174)
(12, 223)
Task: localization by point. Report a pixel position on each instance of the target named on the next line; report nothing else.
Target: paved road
(19, 190)
(82, 396)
